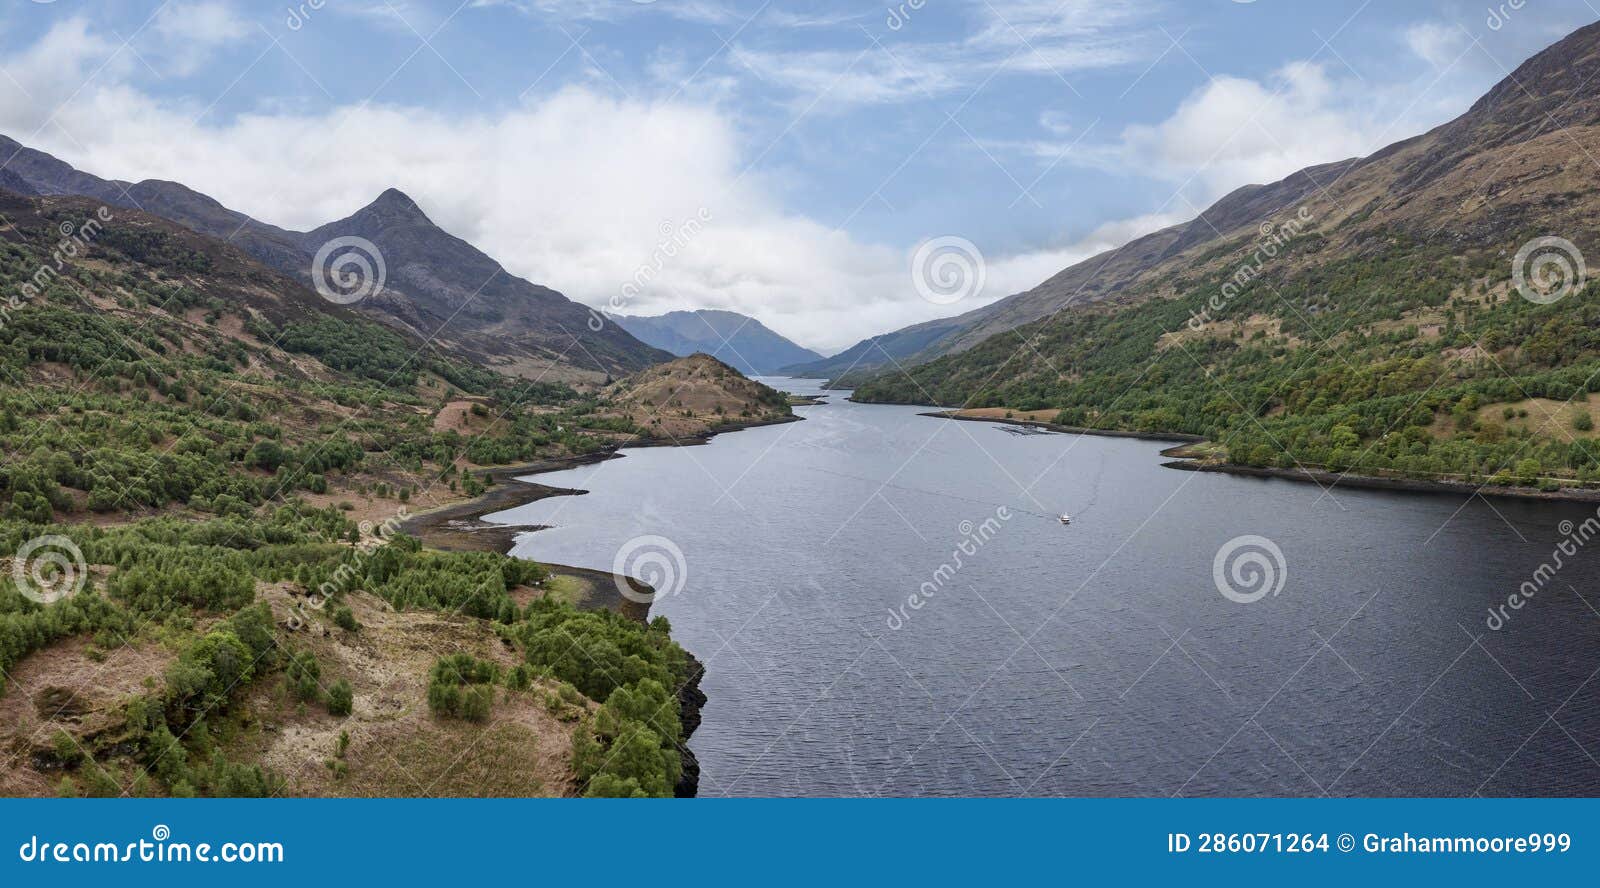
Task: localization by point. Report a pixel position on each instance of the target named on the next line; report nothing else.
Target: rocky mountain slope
(436, 285)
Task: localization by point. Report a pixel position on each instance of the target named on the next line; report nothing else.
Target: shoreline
(1321, 477)
(1325, 478)
(1068, 430)
(460, 528)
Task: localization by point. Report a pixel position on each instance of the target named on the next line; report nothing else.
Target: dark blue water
(1098, 658)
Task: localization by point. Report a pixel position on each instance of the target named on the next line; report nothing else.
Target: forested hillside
(203, 466)
(1413, 360)
(1422, 312)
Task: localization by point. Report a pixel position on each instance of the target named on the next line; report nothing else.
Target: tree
(341, 699)
(1528, 471)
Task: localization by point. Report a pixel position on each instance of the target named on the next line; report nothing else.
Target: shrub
(462, 686)
(341, 700)
(304, 674)
(345, 619)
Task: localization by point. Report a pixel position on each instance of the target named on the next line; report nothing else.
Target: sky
(781, 159)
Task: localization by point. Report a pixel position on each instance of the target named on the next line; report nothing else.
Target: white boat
(1066, 519)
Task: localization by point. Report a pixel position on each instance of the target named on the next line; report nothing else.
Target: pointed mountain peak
(391, 215)
(394, 206)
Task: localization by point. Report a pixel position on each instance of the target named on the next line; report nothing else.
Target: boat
(1066, 519)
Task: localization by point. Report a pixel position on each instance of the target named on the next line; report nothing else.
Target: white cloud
(836, 79)
(1436, 43)
(205, 23)
(185, 35)
(1235, 131)
(1050, 38)
(571, 190)
(40, 78)
(702, 11)
(1059, 37)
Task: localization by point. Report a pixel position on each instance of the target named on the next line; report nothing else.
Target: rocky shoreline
(461, 528)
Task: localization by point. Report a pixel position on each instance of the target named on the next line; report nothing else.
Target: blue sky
(822, 142)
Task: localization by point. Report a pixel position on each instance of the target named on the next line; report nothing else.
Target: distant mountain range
(876, 352)
(437, 286)
(740, 341)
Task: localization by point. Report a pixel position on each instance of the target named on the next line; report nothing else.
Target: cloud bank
(579, 188)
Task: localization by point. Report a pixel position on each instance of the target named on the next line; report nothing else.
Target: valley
(355, 511)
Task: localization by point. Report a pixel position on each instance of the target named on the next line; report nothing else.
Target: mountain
(198, 443)
(15, 184)
(1425, 173)
(1386, 314)
(440, 285)
(1111, 276)
(738, 340)
(874, 352)
(436, 285)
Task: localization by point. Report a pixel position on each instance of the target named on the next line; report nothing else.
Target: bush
(345, 619)
(341, 699)
(304, 675)
(462, 686)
